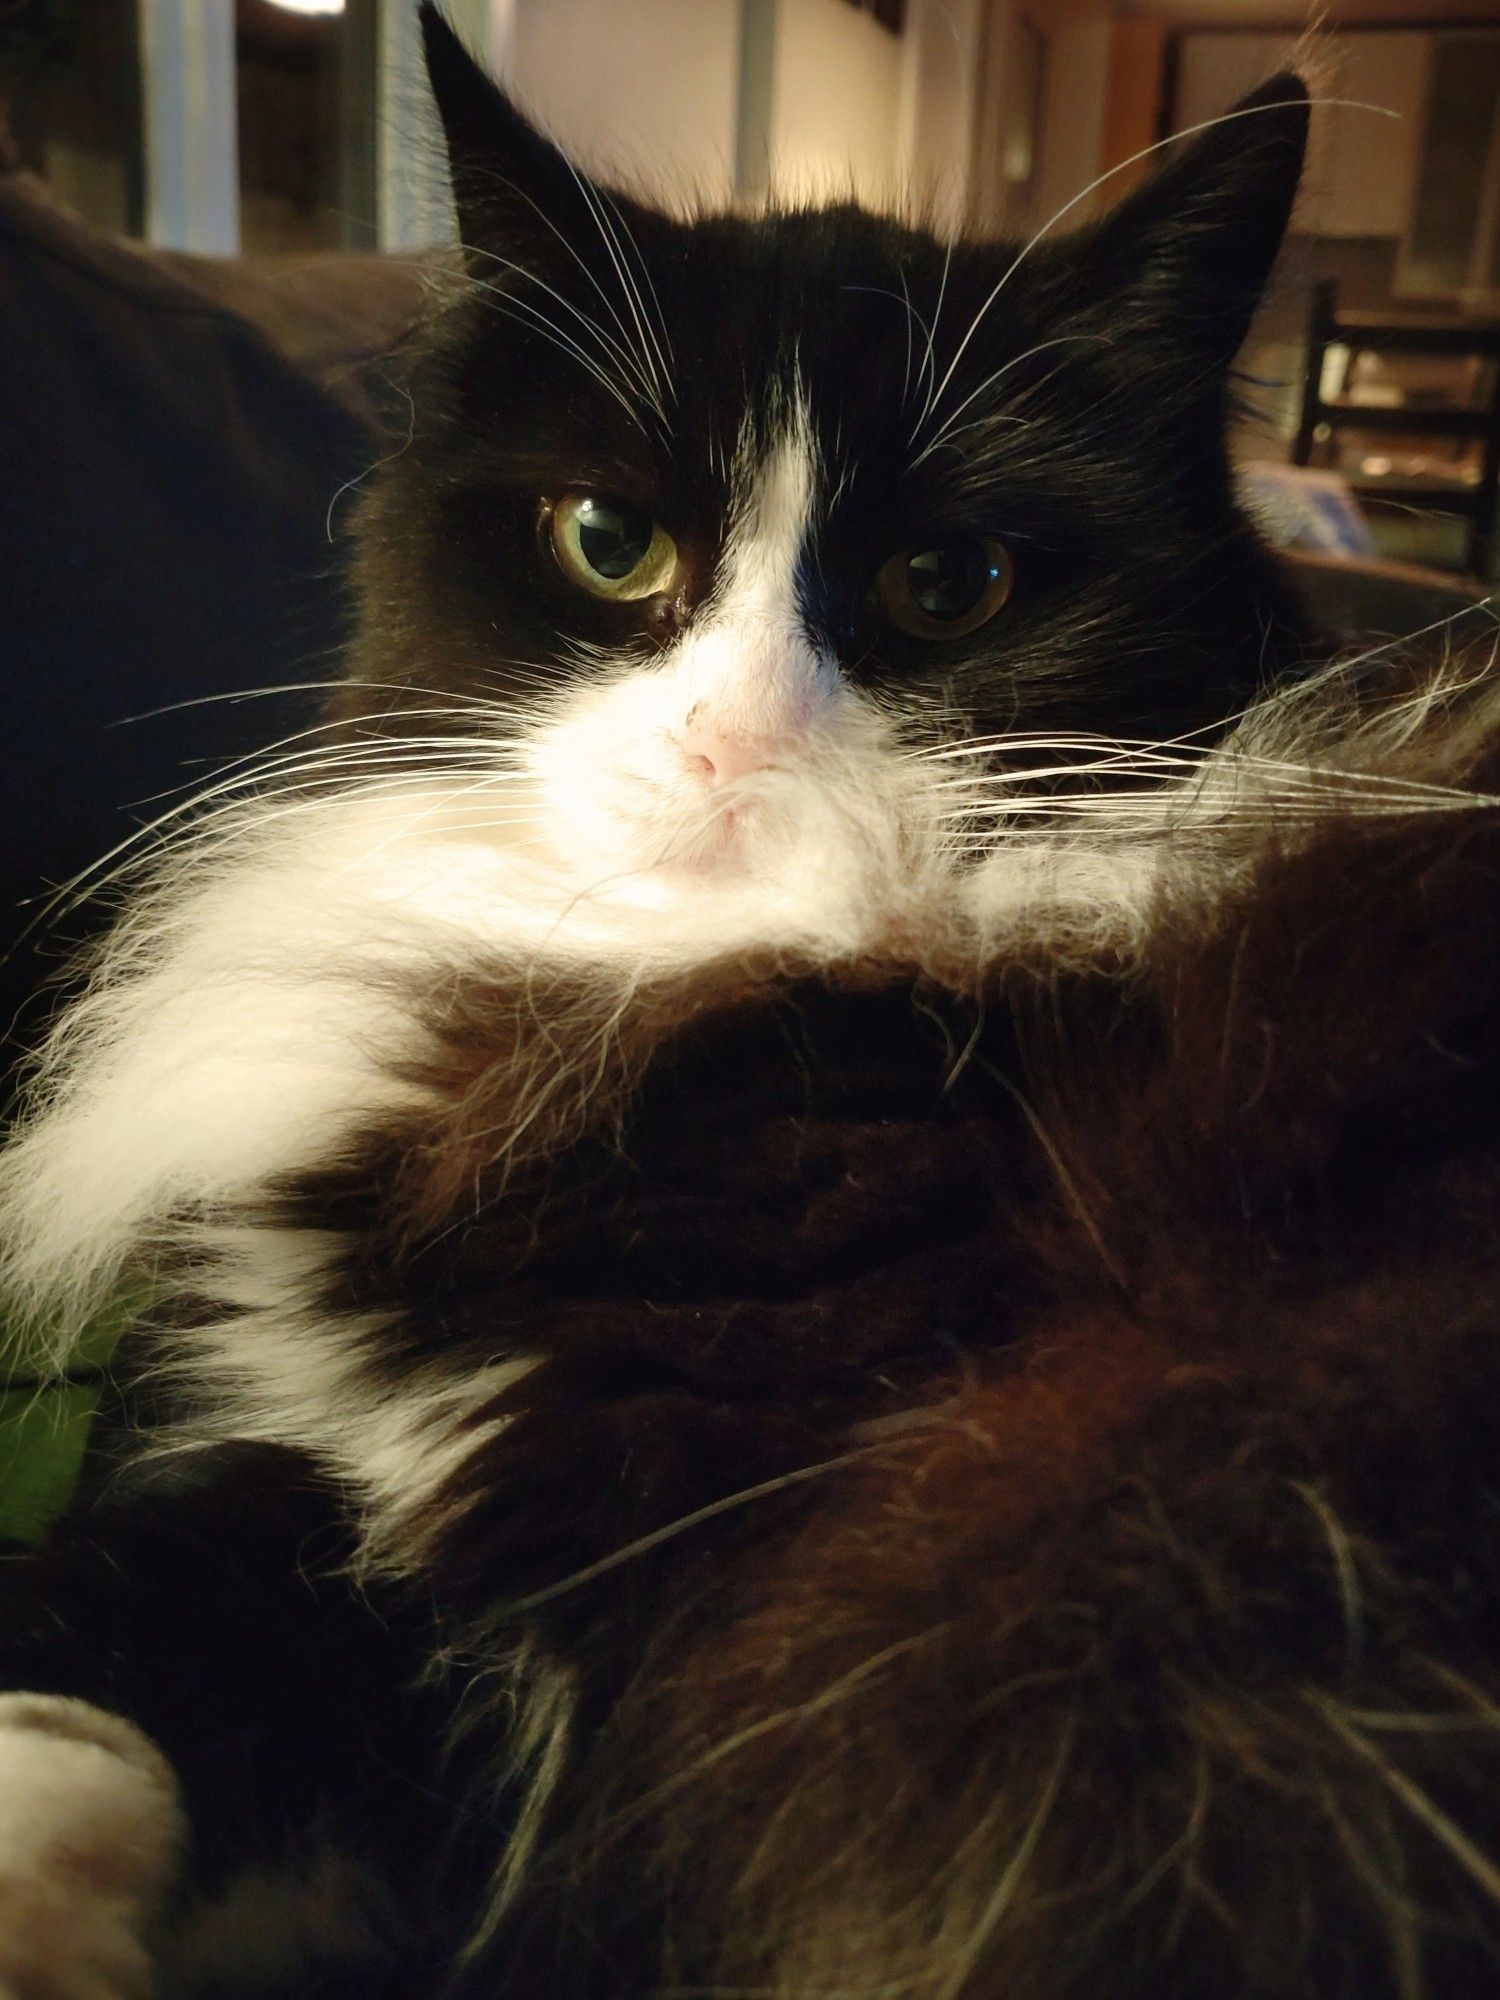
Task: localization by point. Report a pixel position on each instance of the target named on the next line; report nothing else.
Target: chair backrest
(1452, 337)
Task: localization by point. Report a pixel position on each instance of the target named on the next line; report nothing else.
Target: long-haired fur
(1050, 1338)
(876, 1381)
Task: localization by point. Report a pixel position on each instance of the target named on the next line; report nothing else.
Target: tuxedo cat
(682, 1393)
(739, 580)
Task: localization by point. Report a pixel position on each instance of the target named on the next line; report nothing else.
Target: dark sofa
(173, 432)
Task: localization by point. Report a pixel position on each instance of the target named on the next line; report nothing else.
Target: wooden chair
(1403, 334)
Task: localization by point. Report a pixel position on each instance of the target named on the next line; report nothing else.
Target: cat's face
(714, 510)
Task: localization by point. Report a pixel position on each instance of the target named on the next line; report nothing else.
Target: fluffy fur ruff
(939, 1412)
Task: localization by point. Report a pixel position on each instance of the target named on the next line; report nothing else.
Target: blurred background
(216, 217)
(267, 127)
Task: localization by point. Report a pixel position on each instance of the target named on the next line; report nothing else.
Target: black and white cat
(717, 549)
(774, 611)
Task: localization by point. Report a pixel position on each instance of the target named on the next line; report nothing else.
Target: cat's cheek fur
(91, 1835)
(617, 796)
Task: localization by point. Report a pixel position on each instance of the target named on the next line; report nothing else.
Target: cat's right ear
(1186, 257)
(511, 186)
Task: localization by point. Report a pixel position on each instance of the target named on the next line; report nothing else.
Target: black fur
(1092, 402)
(927, 1385)
(207, 1598)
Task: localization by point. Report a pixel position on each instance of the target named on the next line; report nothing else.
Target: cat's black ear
(509, 182)
(1191, 250)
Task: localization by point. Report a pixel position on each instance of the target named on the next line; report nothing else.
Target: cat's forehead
(664, 353)
(844, 314)
(860, 310)
(621, 336)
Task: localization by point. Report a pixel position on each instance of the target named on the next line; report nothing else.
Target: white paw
(90, 1835)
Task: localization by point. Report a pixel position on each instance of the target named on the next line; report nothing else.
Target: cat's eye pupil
(948, 581)
(945, 589)
(613, 540)
(611, 549)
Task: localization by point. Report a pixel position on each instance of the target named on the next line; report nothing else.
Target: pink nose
(720, 756)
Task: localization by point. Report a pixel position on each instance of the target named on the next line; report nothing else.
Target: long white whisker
(577, 257)
(263, 756)
(929, 359)
(245, 777)
(903, 299)
(663, 345)
(1041, 347)
(620, 356)
(386, 458)
(232, 695)
(1120, 167)
(627, 283)
(509, 305)
(1060, 739)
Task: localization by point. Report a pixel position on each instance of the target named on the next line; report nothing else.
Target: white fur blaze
(744, 737)
(91, 1833)
(754, 686)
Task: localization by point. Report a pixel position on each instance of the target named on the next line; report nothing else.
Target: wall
(1133, 102)
(1073, 126)
(649, 89)
(959, 97)
(942, 82)
(647, 92)
(835, 103)
(646, 89)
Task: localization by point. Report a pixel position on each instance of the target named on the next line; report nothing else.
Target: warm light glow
(310, 6)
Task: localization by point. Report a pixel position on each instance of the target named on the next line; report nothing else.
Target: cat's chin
(737, 839)
(725, 844)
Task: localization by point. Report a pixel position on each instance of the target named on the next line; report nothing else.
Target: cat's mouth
(720, 835)
(633, 783)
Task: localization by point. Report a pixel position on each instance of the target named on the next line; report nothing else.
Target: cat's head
(703, 510)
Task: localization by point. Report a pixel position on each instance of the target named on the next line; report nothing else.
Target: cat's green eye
(947, 589)
(612, 549)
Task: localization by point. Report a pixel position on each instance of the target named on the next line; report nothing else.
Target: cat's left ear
(1189, 253)
(516, 193)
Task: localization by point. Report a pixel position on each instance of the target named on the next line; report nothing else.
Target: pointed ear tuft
(1195, 245)
(465, 95)
(504, 172)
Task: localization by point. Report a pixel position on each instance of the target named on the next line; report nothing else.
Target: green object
(44, 1428)
(45, 1421)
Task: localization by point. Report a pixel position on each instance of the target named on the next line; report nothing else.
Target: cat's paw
(90, 1836)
